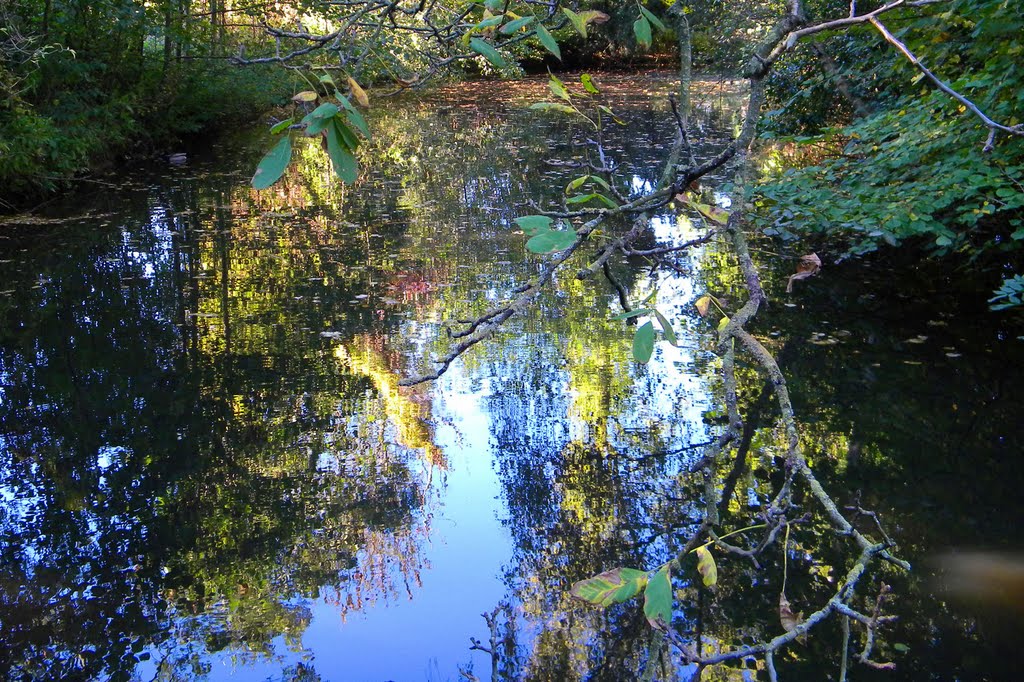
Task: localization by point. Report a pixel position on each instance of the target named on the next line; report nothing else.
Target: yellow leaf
(706, 567)
(703, 304)
(305, 96)
(358, 92)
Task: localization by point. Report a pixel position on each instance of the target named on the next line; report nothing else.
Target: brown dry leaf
(703, 304)
(809, 266)
(358, 92)
(789, 619)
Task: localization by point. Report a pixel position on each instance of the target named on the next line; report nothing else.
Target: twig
(619, 289)
(941, 85)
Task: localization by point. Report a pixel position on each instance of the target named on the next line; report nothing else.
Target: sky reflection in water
(209, 470)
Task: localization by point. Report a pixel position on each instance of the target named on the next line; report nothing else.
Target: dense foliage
(892, 159)
(81, 82)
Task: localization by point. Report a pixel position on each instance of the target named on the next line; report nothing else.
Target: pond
(209, 470)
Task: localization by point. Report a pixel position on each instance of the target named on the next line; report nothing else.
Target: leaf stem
(785, 558)
(729, 534)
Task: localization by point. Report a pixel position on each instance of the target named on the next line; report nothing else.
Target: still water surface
(208, 469)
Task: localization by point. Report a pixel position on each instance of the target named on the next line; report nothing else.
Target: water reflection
(208, 467)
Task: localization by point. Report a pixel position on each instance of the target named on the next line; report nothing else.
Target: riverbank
(52, 142)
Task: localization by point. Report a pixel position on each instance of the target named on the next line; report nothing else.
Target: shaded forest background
(866, 153)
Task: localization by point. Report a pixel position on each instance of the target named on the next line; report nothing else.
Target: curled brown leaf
(789, 620)
(809, 266)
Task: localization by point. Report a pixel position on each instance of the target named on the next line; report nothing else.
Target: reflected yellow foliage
(408, 409)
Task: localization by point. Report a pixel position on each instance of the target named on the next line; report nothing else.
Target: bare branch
(944, 87)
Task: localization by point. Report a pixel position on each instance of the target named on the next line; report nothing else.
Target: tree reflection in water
(205, 452)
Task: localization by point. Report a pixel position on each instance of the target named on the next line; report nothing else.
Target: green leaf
(642, 30)
(271, 168)
(643, 343)
(588, 84)
(712, 213)
(345, 165)
(347, 138)
(658, 598)
(549, 43)
(576, 184)
(551, 241)
(558, 88)
(584, 198)
(516, 24)
(353, 115)
(489, 22)
(666, 329)
(317, 120)
(611, 587)
(577, 21)
(593, 16)
(553, 106)
(722, 323)
(580, 21)
(600, 181)
(282, 126)
(651, 17)
(633, 313)
(706, 567)
(484, 48)
(327, 79)
(612, 114)
(533, 224)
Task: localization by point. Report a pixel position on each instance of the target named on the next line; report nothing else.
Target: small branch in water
(681, 126)
(621, 290)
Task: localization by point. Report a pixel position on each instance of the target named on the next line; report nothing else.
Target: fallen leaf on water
(808, 267)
